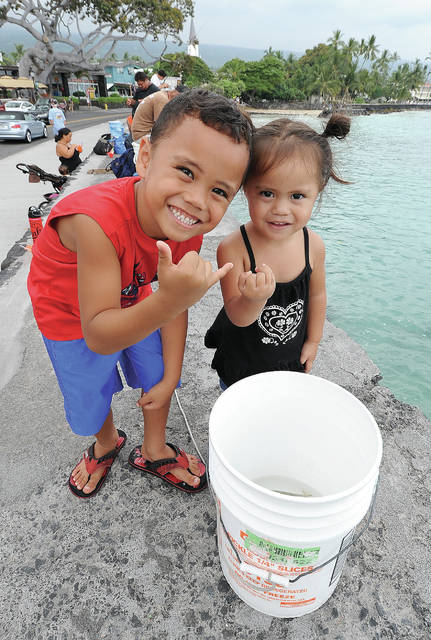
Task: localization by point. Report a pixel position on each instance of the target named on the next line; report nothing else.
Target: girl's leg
(154, 446)
(106, 439)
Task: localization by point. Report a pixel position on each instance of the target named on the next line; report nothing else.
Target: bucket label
(278, 553)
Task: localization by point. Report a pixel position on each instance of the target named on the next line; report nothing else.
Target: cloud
(296, 25)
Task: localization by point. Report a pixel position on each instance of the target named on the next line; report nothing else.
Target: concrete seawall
(140, 560)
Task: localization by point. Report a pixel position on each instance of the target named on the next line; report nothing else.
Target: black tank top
(274, 341)
(72, 162)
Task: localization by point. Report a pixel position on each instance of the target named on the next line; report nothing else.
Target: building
(12, 85)
(422, 93)
(120, 77)
(193, 43)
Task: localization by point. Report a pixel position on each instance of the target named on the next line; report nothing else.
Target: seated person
(68, 153)
(159, 79)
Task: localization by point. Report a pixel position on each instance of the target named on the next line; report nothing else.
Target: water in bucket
(287, 486)
(294, 460)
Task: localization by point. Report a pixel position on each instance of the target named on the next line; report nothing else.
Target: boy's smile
(190, 178)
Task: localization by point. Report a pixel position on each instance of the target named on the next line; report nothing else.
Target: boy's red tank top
(52, 281)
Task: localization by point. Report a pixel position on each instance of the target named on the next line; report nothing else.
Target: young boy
(90, 282)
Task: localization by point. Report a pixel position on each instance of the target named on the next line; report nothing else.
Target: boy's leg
(143, 366)
(106, 439)
(87, 381)
(154, 446)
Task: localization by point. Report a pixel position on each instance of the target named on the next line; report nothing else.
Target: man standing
(145, 88)
(158, 79)
(56, 117)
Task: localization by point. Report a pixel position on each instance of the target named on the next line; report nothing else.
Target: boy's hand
(308, 355)
(257, 286)
(157, 397)
(185, 283)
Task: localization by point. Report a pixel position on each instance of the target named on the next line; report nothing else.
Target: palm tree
(335, 39)
(18, 53)
(371, 48)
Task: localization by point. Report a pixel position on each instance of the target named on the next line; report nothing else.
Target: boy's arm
(316, 305)
(107, 327)
(173, 343)
(244, 293)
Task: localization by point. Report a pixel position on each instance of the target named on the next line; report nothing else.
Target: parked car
(41, 109)
(18, 125)
(19, 105)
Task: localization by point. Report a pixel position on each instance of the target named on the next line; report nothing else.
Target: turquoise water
(377, 233)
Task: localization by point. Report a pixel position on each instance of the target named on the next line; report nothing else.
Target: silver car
(18, 125)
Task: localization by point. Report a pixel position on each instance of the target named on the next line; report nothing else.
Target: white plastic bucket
(303, 435)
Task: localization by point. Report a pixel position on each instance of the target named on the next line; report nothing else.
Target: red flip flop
(162, 468)
(92, 463)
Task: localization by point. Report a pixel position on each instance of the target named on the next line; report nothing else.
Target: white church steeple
(193, 44)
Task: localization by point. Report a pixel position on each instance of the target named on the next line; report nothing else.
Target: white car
(19, 105)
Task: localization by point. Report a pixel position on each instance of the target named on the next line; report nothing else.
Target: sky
(403, 26)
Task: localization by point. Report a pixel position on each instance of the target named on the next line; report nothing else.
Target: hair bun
(338, 126)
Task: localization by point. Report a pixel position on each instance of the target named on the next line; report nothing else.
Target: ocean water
(377, 233)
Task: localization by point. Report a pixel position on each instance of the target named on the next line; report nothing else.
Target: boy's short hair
(162, 73)
(140, 75)
(211, 109)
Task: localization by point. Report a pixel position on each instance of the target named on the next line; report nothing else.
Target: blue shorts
(88, 380)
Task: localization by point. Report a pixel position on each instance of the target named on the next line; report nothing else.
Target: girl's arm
(317, 303)
(173, 344)
(244, 293)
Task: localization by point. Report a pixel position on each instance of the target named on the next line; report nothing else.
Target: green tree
(52, 22)
(193, 71)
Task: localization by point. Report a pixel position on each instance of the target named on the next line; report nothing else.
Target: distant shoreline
(287, 111)
(349, 110)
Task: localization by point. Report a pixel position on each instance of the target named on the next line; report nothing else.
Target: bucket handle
(267, 575)
(274, 579)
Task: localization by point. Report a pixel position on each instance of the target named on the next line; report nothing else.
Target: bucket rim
(372, 474)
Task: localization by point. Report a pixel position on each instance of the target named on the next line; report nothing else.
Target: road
(17, 194)
(75, 120)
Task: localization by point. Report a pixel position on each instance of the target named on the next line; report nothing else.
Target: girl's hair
(278, 140)
(62, 132)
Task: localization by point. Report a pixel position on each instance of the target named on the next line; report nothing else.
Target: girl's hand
(308, 355)
(257, 286)
(157, 397)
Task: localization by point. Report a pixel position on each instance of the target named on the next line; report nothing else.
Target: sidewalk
(17, 194)
(139, 561)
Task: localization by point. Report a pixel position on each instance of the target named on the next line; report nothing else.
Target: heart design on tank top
(281, 323)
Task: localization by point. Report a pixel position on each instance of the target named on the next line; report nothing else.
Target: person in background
(158, 79)
(275, 296)
(149, 110)
(145, 88)
(56, 117)
(67, 152)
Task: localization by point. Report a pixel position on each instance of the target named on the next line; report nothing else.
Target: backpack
(103, 145)
(124, 165)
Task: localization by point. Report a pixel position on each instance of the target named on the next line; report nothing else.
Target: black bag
(103, 145)
(124, 165)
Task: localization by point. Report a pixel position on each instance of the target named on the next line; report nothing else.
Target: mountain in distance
(214, 55)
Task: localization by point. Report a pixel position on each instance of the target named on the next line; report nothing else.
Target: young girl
(275, 296)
